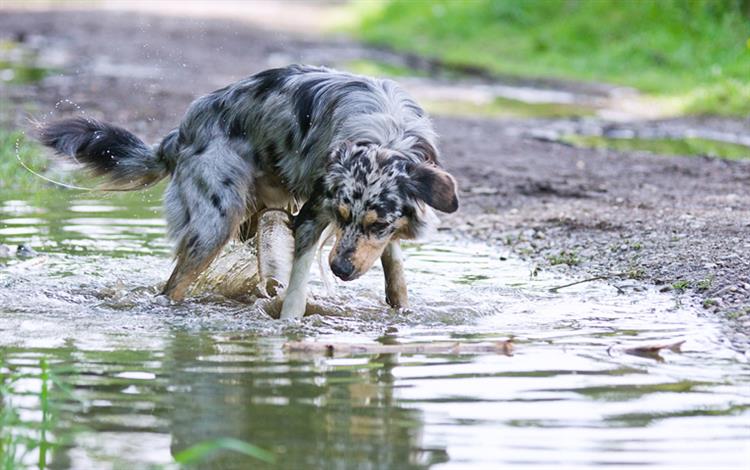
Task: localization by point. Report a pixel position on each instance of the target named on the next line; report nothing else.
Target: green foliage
(381, 69)
(564, 257)
(502, 107)
(202, 450)
(669, 47)
(18, 65)
(688, 146)
(681, 285)
(22, 437)
(705, 284)
(708, 303)
(13, 176)
(728, 97)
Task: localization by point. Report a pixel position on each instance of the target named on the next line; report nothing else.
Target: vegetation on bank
(697, 51)
(15, 146)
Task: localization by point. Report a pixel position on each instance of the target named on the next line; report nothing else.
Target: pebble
(25, 251)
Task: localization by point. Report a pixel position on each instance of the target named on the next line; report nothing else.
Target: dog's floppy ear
(434, 186)
(339, 152)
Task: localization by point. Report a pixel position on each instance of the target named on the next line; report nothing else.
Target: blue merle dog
(355, 153)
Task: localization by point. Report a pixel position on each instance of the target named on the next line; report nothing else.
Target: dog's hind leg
(205, 203)
(393, 268)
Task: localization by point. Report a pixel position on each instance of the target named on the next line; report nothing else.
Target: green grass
(202, 450)
(21, 73)
(502, 107)
(19, 65)
(687, 146)
(28, 439)
(680, 285)
(569, 258)
(695, 50)
(381, 69)
(13, 176)
(23, 437)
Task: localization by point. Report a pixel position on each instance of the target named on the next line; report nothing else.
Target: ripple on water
(129, 379)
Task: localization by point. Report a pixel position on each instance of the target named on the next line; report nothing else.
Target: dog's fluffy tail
(111, 151)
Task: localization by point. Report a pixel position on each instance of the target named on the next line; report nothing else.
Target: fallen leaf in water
(650, 351)
(655, 348)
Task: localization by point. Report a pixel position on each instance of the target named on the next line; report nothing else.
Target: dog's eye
(379, 226)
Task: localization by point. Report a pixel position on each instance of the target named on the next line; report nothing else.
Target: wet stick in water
(260, 268)
(443, 347)
(274, 244)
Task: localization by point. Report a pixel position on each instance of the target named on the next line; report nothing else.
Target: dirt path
(633, 216)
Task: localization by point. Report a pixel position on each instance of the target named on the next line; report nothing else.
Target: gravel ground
(634, 217)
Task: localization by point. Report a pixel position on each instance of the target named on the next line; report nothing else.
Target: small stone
(162, 300)
(25, 251)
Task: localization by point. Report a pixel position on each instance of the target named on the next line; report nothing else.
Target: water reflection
(145, 406)
(64, 222)
(97, 373)
(324, 415)
(92, 408)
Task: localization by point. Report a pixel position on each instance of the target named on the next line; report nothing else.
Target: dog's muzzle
(343, 269)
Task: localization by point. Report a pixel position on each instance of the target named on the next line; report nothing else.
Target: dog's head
(374, 195)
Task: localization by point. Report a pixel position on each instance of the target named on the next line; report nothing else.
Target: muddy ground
(633, 217)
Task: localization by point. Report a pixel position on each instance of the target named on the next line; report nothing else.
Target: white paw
(294, 307)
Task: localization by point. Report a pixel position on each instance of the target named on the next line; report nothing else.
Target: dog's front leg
(295, 299)
(395, 283)
(307, 230)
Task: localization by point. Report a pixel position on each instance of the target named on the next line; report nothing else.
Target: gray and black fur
(357, 153)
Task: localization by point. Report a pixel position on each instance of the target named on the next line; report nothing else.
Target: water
(97, 373)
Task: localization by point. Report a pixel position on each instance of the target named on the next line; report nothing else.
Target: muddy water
(97, 373)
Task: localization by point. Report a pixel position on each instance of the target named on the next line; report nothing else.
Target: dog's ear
(426, 151)
(338, 152)
(434, 186)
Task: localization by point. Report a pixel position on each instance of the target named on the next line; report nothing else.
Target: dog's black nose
(342, 268)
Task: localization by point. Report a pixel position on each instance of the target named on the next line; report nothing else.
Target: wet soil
(629, 216)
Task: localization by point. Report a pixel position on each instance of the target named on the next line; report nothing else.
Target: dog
(355, 153)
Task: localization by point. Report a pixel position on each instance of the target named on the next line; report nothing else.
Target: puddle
(692, 146)
(96, 373)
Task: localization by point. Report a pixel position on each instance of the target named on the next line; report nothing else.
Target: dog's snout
(342, 268)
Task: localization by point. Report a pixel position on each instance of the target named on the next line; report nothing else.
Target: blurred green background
(696, 52)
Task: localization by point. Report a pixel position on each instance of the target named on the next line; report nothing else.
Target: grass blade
(201, 450)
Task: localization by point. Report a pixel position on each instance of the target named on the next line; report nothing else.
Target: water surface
(98, 373)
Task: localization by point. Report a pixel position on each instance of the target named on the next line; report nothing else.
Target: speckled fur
(305, 135)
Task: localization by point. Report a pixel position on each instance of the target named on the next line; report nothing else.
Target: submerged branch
(446, 347)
